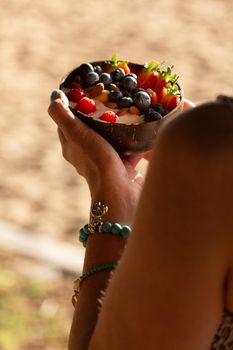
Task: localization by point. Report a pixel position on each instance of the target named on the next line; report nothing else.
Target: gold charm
(97, 211)
(77, 285)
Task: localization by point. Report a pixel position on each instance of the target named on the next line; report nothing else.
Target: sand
(41, 41)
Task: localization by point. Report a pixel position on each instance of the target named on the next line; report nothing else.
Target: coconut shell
(126, 139)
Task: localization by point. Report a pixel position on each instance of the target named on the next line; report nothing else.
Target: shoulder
(171, 277)
(208, 127)
(189, 183)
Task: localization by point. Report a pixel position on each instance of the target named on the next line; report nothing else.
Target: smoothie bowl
(124, 102)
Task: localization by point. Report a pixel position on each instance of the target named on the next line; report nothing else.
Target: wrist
(120, 201)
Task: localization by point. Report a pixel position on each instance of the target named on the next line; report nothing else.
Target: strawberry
(147, 79)
(86, 105)
(167, 99)
(173, 101)
(124, 66)
(162, 95)
(152, 80)
(153, 95)
(161, 83)
(75, 95)
(109, 116)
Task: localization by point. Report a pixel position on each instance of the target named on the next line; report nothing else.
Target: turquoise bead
(82, 233)
(116, 229)
(125, 231)
(86, 229)
(106, 227)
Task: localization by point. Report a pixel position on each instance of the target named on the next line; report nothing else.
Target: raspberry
(86, 105)
(109, 116)
(75, 95)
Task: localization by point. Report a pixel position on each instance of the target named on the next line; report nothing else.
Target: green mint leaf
(114, 59)
(172, 89)
(152, 65)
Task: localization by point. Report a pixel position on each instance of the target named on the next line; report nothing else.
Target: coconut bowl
(126, 139)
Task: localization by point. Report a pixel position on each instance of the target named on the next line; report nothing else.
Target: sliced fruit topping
(75, 95)
(112, 105)
(134, 110)
(86, 105)
(151, 91)
(123, 111)
(109, 116)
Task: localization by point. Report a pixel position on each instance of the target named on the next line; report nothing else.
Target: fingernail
(54, 95)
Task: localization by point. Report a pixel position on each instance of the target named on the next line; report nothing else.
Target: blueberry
(133, 75)
(105, 78)
(90, 79)
(160, 109)
(142, 99)
(115, 96)
(98, 70)
(164, 112)
(126, 93)
(84, 69)
(133, 92)
(151, 115)
(117, 74)
(125, 102)
(129, 82)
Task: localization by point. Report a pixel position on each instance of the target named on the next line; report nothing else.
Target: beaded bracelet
(106, 227)
(78, 282)
(97, 225)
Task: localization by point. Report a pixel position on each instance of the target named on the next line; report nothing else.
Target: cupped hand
(111, 179)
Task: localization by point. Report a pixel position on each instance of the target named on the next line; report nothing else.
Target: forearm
(101, 249)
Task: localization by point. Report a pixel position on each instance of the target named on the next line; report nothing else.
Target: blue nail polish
(53, 95)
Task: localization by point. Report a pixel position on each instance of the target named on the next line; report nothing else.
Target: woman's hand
(111, 179)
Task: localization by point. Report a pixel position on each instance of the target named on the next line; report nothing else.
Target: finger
(148, 155)
(62, 115)
(61, 136)
(135, 176)
(188, 104)
(139, 179)
(73, 128)
(133, 159)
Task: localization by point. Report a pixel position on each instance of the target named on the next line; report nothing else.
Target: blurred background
(43, 201)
